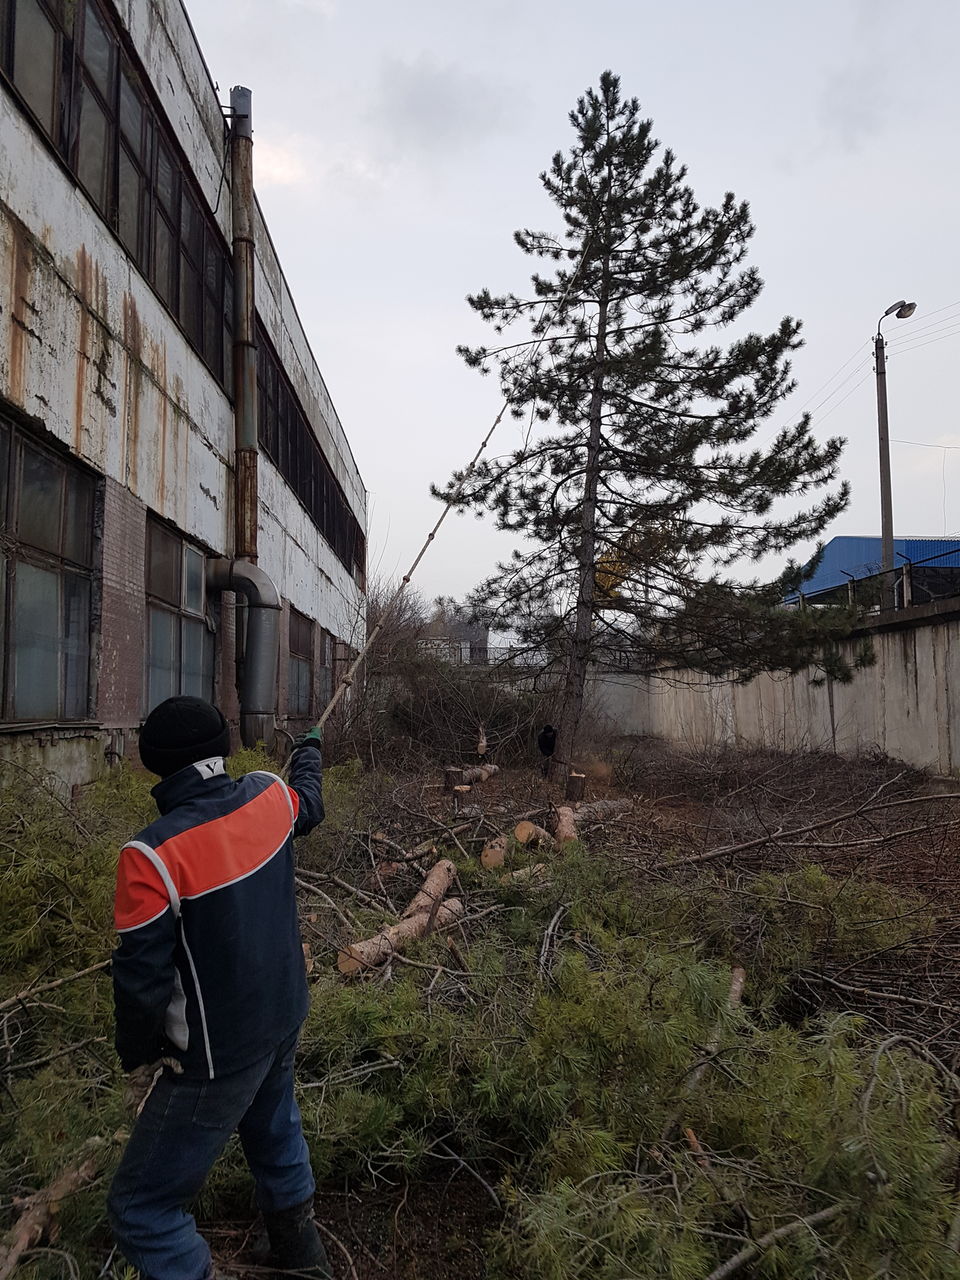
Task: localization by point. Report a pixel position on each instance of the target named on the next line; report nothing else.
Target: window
(300, 670)
(180, 645)
(67, 61)
(46, 581)
(288, 440)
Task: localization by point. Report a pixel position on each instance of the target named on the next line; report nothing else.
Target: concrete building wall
(92, 361)
(907, 705)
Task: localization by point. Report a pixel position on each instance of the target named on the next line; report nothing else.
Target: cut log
(452, 777)
(565, 825)
(536, 872)
(459, 795)
(360, 956)
(494, 853)
(480, 772)
(575, 784)
(528, 833)
(38, 1211)
(434, 889)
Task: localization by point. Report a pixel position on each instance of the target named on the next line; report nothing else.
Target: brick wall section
(123, 615)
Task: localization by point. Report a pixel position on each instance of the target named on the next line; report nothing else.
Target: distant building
(934, 564)
(180, 508)
(451, 635)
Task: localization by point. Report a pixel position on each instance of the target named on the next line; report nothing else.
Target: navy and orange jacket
(210, 965)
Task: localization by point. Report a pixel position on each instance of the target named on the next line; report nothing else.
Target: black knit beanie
(181, 731)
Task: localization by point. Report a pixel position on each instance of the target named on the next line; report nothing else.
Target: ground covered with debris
(714, 1035)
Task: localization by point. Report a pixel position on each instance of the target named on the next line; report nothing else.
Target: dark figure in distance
(210, 991)
(547, 742)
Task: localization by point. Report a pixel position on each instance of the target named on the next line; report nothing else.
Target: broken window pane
(41, 500)
(162, 680)
(35, 62)
(36, 644)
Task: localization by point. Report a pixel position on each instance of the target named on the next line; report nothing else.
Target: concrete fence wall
(907, 705)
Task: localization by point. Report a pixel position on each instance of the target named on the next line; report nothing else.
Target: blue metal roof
(845, 558)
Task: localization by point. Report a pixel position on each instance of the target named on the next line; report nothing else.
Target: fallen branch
(38, 1211)
(780, 835)
(738, 977)
(750, 1251)
(524, 874)
(480, 773)
(50, 986)
(597, 810)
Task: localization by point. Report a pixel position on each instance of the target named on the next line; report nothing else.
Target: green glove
(312, 738)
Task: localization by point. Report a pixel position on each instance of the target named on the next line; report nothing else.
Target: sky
(397, 146)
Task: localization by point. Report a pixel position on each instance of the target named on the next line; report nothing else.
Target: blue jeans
(181, 1131)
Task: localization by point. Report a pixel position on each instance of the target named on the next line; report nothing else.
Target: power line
(937, 325)
(856, 387)
(838, 388)
(923, 444)
(916, 347)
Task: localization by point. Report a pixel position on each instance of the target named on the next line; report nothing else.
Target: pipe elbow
(258, 676)
(246, 579)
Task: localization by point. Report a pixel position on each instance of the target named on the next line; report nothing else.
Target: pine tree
(637, 488)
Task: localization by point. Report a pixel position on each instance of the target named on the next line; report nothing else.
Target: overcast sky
(397, 147)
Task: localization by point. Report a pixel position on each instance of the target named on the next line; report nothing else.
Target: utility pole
(903, 311)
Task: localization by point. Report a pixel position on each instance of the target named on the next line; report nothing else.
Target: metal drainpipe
(258, 679)
(258, 682)
(244, 324)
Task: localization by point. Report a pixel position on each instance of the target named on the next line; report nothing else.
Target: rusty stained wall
(107, 369)
(88, 351)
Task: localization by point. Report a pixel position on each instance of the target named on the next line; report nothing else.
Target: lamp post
(903, 311)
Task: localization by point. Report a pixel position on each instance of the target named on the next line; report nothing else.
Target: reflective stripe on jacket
(210, 966)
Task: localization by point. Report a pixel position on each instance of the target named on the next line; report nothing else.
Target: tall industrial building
(180, 511)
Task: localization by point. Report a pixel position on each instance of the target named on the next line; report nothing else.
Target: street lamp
(903, 311)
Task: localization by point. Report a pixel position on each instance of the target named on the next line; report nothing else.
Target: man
(210, 991)
(547, 744)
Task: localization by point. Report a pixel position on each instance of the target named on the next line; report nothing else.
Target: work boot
(295, 1245)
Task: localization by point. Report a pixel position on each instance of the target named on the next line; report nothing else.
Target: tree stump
(494, 853)
(575, 785)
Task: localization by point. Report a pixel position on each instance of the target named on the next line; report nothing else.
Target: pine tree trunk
(579, 654)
